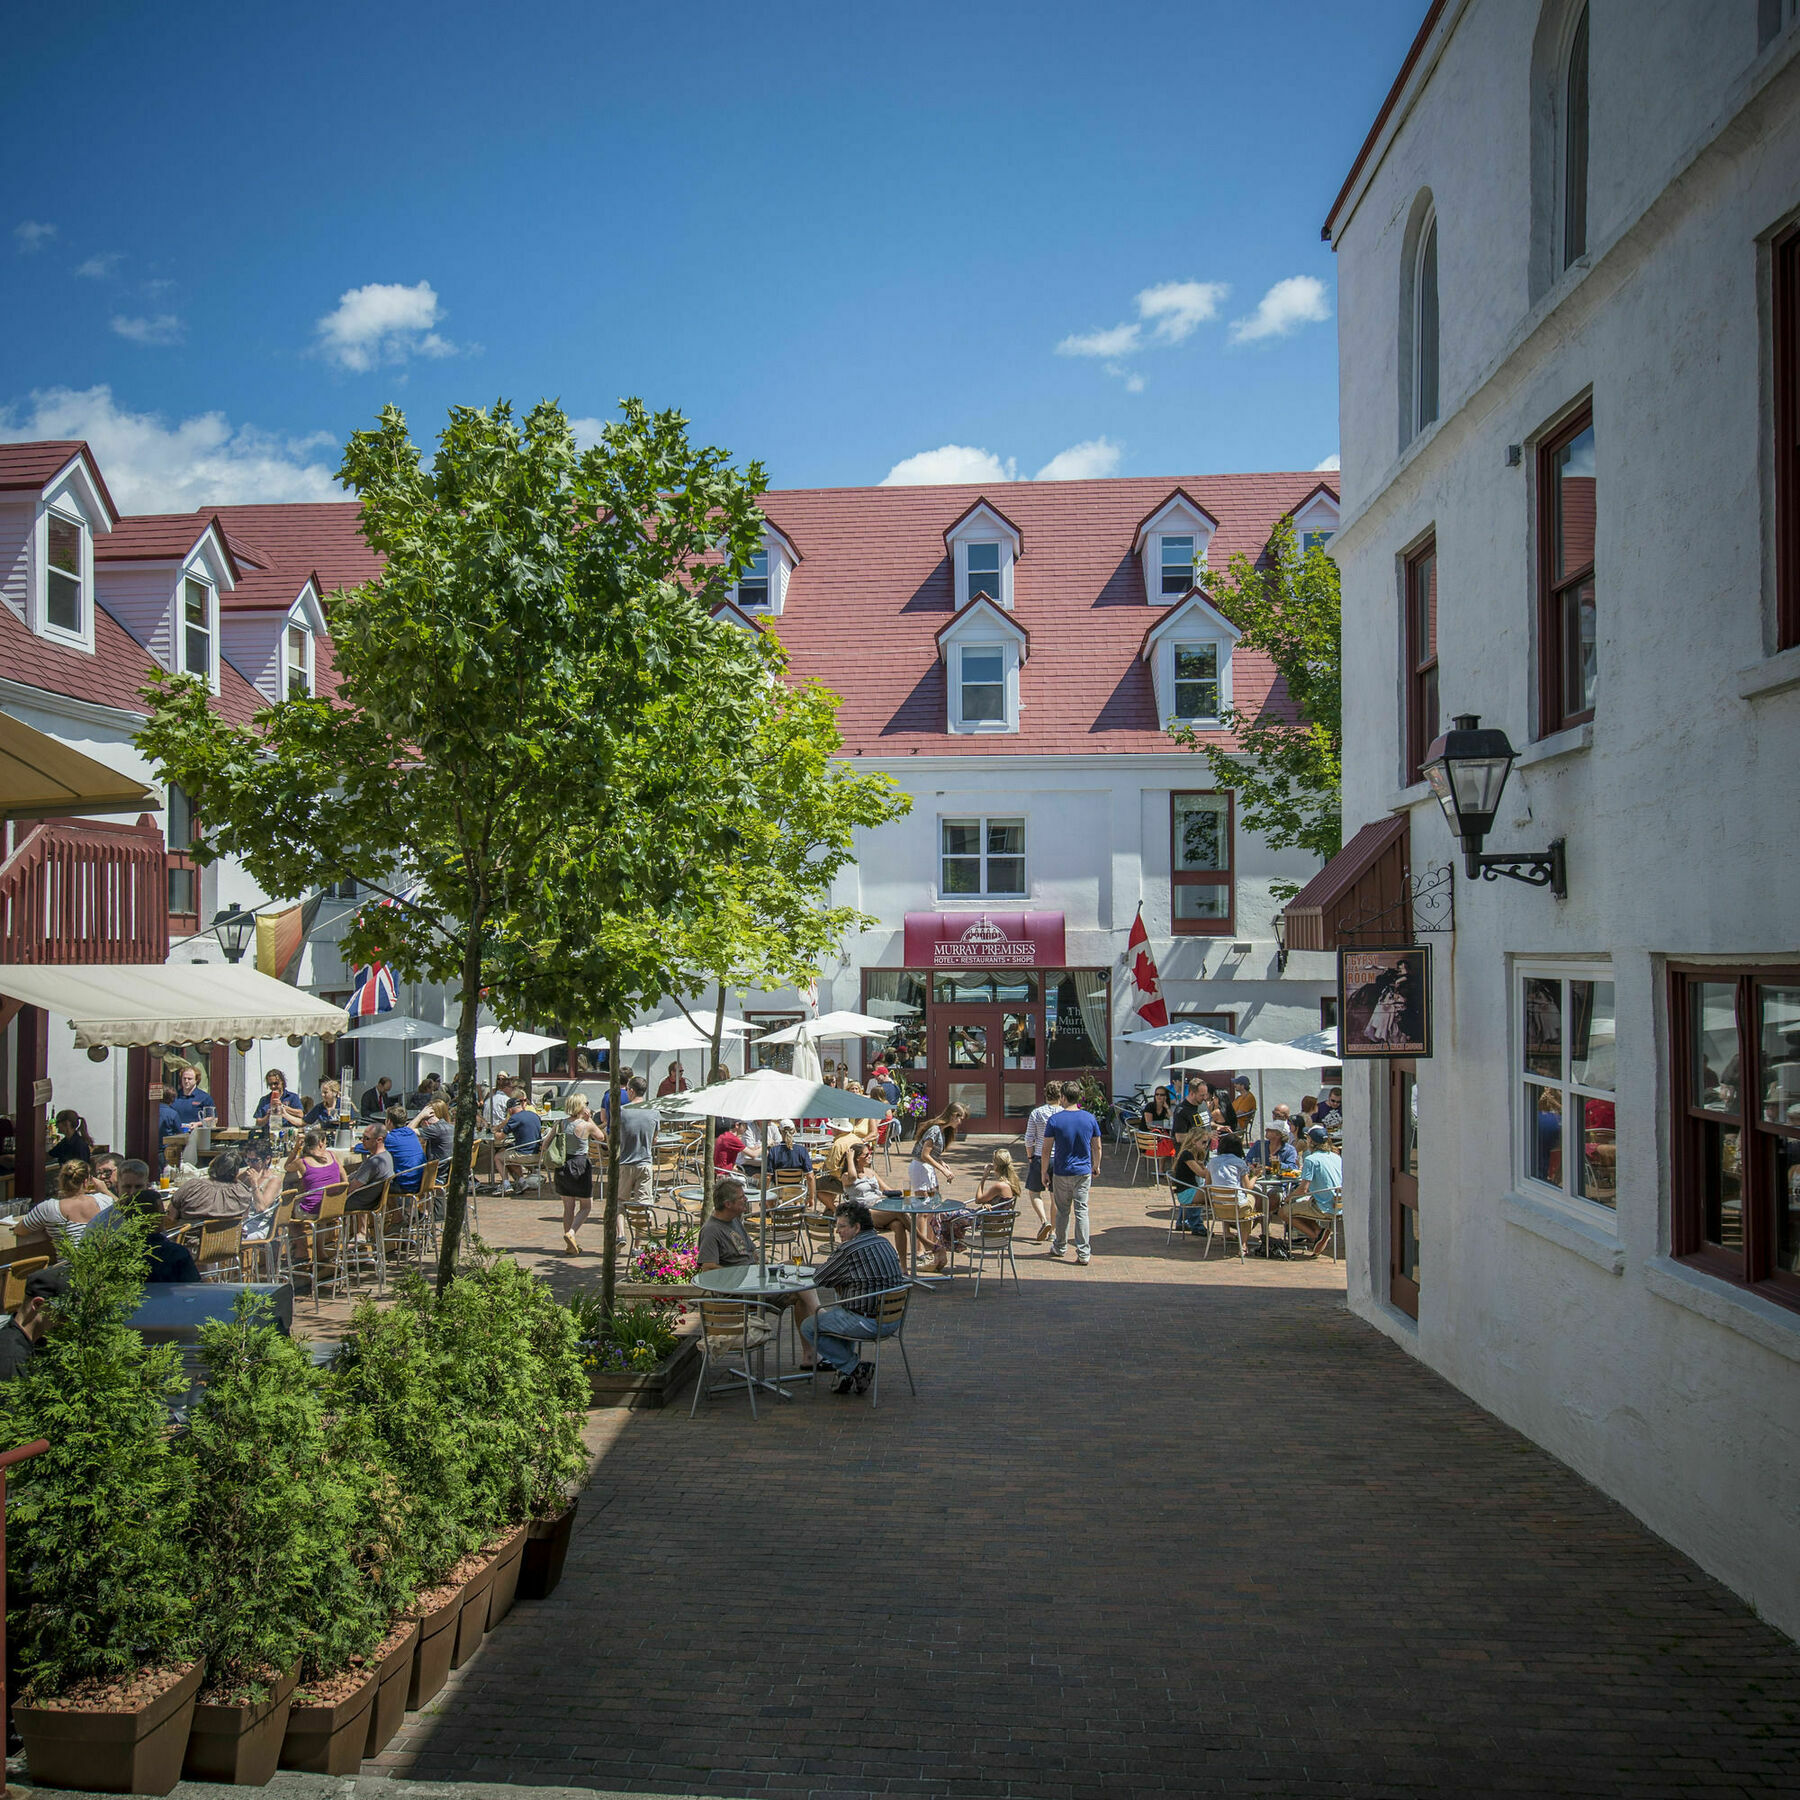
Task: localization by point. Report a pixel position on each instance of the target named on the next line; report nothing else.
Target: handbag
(557, 1154)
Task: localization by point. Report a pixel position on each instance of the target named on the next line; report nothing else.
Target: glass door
(967, 1044)
(1403, 1187)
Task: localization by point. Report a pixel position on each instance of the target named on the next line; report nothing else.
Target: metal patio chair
(732, 1329)
(991, 1237)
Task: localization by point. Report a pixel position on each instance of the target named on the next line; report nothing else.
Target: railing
(77, 891)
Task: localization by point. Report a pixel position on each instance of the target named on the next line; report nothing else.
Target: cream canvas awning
(41, 778)
(169, 1003)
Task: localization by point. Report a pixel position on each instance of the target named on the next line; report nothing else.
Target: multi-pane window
(1425, 329)
(983, 685)
(64, 579)
(1202, 899)
(984, 571)
(1575, 144)
(1315, 540)
(1177, 566)
(1421, 657)
(983, 857)
(753, 584)
(1567, 1139)
(1568, 648)
(1785, 298)
(1196, 681)
(298, 683)
(183, 872)
(196, 628)
(1735, 1124)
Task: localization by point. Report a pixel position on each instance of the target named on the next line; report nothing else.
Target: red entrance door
(990, 1060)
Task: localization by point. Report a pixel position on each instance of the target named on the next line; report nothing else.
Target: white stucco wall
(1675, 1392)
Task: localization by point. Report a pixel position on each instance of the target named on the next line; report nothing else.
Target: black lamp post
(234, 929)
(1467, 768)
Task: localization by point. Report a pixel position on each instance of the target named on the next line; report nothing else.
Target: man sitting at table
(675, 1082)
(227, 1190)
(27, 1328)
(169, 1261)
(725, 1243)
(190, 1100)
(375, 1099)
(406, 1149)
(376, 1167)
(1275, 1151)
(790, 1153)
(1314, 1216)
(522, 1135)
(864, 1263)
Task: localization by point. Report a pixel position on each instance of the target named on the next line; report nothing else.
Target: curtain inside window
(1090, 996)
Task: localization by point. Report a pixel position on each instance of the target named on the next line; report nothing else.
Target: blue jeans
(836, 1332)
(1192, 1209)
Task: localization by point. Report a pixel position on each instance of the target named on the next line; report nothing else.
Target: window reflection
(968, 1046)
(1544, 1132)
(1077, 1018)
(1543, 1028)
(1714, 1060)
(1019, 1042)
(899, 994)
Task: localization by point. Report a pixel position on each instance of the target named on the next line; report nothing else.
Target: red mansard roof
(160, 537)
(34, 466)
(862, 613)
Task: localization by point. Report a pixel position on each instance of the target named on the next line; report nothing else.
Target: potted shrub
(354, 1668)
(391, 1369)
(100, 1614)
(633, 1355)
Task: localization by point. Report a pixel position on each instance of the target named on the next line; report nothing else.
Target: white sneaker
(1054, 1254)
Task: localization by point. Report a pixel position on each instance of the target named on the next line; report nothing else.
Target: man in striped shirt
(864, 1263)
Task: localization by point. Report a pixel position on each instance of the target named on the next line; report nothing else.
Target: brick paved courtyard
(1157, 1526)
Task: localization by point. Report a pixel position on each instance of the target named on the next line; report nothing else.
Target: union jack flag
(372, 991)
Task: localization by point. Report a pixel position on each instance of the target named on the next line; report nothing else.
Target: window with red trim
(184, 872)
(1735, 1125)
(1568, 634)
(1203, 900)
(1421, 657)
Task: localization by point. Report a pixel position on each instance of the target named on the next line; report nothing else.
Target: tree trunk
(462, 1155)
(610, 1234)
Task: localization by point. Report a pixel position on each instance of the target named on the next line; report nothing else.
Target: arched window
(1425, 329)
(1575, 144)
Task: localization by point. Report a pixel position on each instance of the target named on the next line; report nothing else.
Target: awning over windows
(169, 1003)
(41, 778)
(1363, 882)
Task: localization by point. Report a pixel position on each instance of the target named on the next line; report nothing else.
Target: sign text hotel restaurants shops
(987, 940)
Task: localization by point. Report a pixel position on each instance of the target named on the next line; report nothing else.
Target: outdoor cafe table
(902, 1204)
(1272, 1191)
(762, 1281)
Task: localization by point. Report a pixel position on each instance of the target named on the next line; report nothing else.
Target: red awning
(1366, 879)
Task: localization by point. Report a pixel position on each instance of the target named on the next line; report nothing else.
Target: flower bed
(665, 1267)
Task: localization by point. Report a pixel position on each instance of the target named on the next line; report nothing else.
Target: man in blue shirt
(1315, 1216)
(1072, 1140)
(407, 1149)
(1276, 1151)
(788, 1154)
(190, 1101)
(524, 1136)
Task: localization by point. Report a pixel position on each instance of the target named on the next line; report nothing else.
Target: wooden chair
(890, 1309)
(787, 1231)
(790, 1185)
(1234, 1210)
(732, 1334)
(819, 1233)
(641, 1222)
(221, 1247)
(1303, 1206)
(16, 1273)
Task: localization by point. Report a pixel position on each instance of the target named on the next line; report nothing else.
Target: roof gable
(979, 621)
(1178, 504)
(173, 538)
(1192, 611)
(34, 467)
(981, 518)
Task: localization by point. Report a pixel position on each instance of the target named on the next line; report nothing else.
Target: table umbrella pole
(763, 1191)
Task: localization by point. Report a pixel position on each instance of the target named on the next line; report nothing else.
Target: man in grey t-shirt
(724, 1240)
(637, 1139)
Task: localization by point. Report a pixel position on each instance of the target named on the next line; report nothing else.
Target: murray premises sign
(984, 941)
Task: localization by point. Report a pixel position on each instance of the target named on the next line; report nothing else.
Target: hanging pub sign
(1384, 1002)
(987, 940)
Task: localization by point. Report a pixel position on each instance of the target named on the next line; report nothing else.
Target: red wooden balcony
(85, 891)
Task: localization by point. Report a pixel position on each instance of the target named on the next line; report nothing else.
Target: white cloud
(384, 322)
(153, 466)
(1134, 383)
(1328, 466)
(1175, 308)
(98, 268)
(165, 328)
(947, 464)
(1299, 300)
(586, 432)
(1083, 462)
(1119, 340)
(32, 235)
(954, 463)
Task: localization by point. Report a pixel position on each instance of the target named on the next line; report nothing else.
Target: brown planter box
(472, 1621)
(133, 1751)
(432, 1650)
(393, 1672)
(328, 1740)
(506, 1577)
(546, 1546)
(646, 1388)
(240, 1743)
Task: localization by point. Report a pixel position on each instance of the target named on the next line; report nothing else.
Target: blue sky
(1064, 238)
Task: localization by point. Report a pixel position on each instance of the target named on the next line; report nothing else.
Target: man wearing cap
(26, 1329)
(1243, 1107)
(1315, 1215)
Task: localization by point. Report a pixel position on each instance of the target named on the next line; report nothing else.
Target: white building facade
(1569, 301)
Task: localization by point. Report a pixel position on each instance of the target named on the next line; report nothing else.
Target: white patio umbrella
(1325, 1042)
(393, 1025)
(1183, 1032)
(833, 1025)
(491, 1042)
(806, 1059)
(1255, 1055)
(674, 1034)
(768, 1095)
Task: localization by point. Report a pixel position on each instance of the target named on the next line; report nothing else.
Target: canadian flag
(1143, 971)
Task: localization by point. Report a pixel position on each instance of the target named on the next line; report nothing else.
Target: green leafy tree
(99, 1583)
(1287, 768)
(536, 604)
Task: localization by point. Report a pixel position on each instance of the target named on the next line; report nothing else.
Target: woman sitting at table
(330, 1107)
(998, 1191)
(1159, 1111)
(278, 1107)
(73, 1143)
(1188, 1174)
(81, 1196)
(860, 1183)
(1226, 1166)
(315, 1168)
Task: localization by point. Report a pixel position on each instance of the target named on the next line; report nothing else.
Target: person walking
(574, 1180)
(1035, 1180)
(1072, 1135)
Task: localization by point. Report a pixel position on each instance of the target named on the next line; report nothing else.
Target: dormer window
(1196, 681)
(753, 584)
(297, 663)
(196, 629)
(65, 576)
(983, 684)
(984, 571)
(1177, 566)
(1316, 519)
(983, 648)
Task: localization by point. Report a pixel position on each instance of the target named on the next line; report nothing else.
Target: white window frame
(211, 628)
(984, 822)
(1220, 654)
(1196, 542)
(1565, 140)
(767, 602)
(1428, 235)
(1009, 678)
(982, 524)
(1524, 1119)
(83, 634)
(307, 665)
(965, 582)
